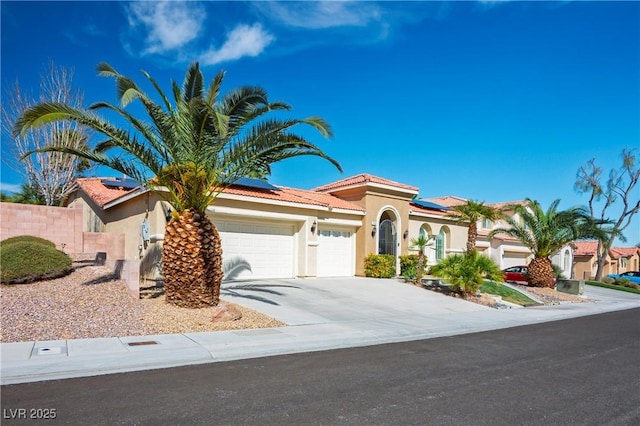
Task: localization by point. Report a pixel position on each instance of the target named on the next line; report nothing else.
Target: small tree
(466, 273)
(420, 244)
(471, 212)
(50, 174)
(619, 186)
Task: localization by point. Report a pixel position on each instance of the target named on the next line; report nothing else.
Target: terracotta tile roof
(618, 252)
(585, 248)
(326, 199)
(448, 200)
(100, 193)
(360, 180)
(508, 203)
(451, 200)
(293, 195)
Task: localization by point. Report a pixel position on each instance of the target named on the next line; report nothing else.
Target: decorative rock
(224, 312)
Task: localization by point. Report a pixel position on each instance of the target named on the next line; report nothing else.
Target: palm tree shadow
(247, 291)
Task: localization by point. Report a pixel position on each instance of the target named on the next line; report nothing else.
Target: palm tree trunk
(472, 236)
(540, 272)
(420, 271)
(192, 261)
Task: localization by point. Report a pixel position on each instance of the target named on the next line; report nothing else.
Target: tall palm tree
(545, 232)
(471, 212)
(188, 152)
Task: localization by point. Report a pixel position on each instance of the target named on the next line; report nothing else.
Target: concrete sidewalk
(321, 314)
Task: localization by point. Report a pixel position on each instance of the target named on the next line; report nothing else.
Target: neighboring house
(505, 250)
(618, 260)
(281, 232)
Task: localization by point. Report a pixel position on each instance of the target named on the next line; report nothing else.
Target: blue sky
(492, 101)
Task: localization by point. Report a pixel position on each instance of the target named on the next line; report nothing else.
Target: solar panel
(429, 205)
(256, 184)
(124, 183)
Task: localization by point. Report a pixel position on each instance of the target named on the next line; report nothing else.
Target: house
(617, 261)
(281, 232)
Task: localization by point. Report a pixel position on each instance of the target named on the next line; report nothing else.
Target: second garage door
(267, 247)
(335, 252)
(514, 259)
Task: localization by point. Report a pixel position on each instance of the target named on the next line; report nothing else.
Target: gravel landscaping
(91, 303)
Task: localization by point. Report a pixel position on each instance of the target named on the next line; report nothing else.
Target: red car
(515, 274)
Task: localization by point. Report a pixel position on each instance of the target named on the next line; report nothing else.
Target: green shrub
(28, 261)
(635, 289)
(410, 273)
(408, 262)
(380, 266)
(467, 273)
(27, 239)
(558, 273)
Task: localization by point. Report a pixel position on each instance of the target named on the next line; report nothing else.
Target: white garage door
(335, 252)
(514, 259)
(257, 249)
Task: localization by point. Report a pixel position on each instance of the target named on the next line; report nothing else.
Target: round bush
(27, 239)
(27, 261)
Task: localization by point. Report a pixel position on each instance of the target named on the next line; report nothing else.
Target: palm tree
(545, 232)
(188, 153)
(420, 244)
(471, 212)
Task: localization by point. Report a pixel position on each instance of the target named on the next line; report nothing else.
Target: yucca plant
(545, 232)
(467, 272)
(188, 152)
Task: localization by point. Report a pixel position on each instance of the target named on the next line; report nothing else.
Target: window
(440, 243)
(623, 262)
(486, 224)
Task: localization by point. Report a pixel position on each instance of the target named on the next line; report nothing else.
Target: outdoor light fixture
(406, 234)
(313, 227)
(167, 215)
(373, 231)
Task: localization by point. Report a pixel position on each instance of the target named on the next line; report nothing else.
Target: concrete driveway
(330, 300)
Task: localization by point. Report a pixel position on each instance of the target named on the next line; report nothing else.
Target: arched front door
(387, 238)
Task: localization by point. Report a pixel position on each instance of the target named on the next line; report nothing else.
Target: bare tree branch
(50, 174)
(619, 186)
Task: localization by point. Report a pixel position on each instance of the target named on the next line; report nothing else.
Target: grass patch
(507, 293)
(613, 287)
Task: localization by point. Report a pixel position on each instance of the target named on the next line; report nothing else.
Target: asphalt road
(582, 371)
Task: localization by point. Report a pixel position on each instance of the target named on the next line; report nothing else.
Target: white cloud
(10, 187)
(322, 14)
(243, 40)
(170, 24)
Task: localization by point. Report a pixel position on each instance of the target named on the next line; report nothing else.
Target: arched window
(440, 245)
(387, 238)
(422, 232)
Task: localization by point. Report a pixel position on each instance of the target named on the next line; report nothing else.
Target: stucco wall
(61, 225)
(65, 226)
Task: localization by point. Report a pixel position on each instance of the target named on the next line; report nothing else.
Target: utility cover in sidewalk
(50, 350)
(143, 343)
